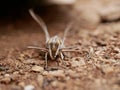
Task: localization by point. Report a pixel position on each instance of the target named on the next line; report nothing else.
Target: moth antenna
(40, 22)
(66, 31)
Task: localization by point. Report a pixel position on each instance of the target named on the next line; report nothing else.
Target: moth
(54, 46)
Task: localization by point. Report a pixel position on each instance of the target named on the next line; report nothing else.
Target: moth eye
(48, 43)
(58, 41)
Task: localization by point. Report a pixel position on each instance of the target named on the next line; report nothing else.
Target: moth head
(54, 46)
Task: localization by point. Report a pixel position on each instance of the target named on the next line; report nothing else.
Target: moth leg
(35, 47)
(70, 50)
(46, 64)
(61, 55)
(75, 47)
(61, 58)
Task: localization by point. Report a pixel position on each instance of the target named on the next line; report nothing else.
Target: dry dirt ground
(94, 66)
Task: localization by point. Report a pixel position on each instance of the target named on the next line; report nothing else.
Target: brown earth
(94, 66)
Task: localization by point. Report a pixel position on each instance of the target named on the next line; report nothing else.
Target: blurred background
(90, 12)
(10, 7)
(87, 14)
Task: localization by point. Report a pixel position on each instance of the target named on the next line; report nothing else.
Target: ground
(95, 65)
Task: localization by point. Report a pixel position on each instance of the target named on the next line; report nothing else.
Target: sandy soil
(94, 66)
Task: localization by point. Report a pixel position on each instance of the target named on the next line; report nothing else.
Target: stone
(6, 80)
(58, 73)
(107, 69)
(40, 80)
(22, 84)
(37, 69)
(29, 87)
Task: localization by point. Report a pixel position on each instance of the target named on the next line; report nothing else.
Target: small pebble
(30, 61)
(7, 75)
(29, 87)
(40, 80)
(75, 64)
(15, 87)
(2, 68)
(22, 84)
(58, 73)
(82, 62)
(37, 68)
(54, 83)
(45, 73)
(6, 80)
(107, 69)
(16, 72)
